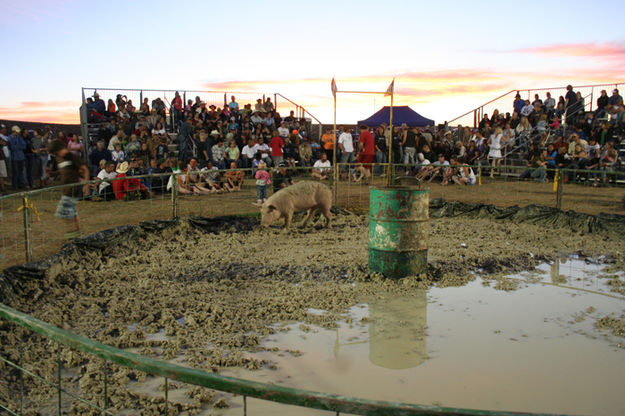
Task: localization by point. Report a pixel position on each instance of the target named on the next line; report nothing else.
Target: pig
(313, 196)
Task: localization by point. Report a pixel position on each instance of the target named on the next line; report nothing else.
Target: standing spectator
(37, 146)
(73, 170)
(495, 142)
(346, 144)
(17, 146)
(75, 145)
(29, 158)
(177, 107)
(410, 145)
(602, 103)
(263, 179)
(570, 100)
(366, 145)
(98, 104)
(549, 103)
(518, 104)
(381, 149)
(276, 144)
(3, 158)
(328, 143)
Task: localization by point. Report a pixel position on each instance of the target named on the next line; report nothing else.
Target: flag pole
(389, 181)
(335, 170)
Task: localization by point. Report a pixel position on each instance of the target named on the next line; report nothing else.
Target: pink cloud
(612, 51)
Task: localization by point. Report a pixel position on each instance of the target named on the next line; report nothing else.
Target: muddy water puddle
(535, 348)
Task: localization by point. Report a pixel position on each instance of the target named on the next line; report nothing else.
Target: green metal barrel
(398, 218)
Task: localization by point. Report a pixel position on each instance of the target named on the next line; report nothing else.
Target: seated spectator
(232, 154)
(305, 153)
(212, 178)
(283, 131)
(233, 179)
(105, 188)
(281, 177)
(133, 146)
(537, 166)
(464, 174)
(422, 162)
(118, 154)
(264, 150)
(436, 168)
(248, 152)
(321, 168)
(157, 182)
(218, 153)
(98, 154)
(290, 152)
(129, 188)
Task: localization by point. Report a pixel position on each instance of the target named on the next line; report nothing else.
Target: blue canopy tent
(401, 114)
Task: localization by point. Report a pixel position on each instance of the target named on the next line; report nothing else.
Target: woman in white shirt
(495, 142)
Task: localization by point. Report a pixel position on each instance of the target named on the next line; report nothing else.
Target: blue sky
(53, 48)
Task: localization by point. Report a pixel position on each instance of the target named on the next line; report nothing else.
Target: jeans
(346, 157)
(261, 192)
(409, 155)
(43, 162)
(380, 157)
(17, 168)
(31, 162)
(539, 174)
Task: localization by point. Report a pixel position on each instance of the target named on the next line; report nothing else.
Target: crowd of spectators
(212, 143)
(550, 135)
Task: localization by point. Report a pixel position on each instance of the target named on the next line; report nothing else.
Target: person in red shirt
(366, 144)
(123, 187)
(276, 145)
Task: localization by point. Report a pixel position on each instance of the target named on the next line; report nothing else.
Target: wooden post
(559, 190)
(27, 232)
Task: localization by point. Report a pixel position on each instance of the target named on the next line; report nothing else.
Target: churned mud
(204, 294)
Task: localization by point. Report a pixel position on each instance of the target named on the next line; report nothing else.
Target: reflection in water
(397, 331)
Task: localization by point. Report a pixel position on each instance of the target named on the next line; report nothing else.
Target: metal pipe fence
(503, 103)
(30, 233)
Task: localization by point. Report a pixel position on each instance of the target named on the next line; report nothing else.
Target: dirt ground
(47, 231)
(203, 295)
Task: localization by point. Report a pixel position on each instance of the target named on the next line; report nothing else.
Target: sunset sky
(447, 57)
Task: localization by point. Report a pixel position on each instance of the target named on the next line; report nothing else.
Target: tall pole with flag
(334, 167)
(389, 91)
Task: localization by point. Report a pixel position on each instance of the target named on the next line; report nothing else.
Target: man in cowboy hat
(72, 170)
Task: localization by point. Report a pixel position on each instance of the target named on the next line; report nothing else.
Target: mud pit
(207, 293)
